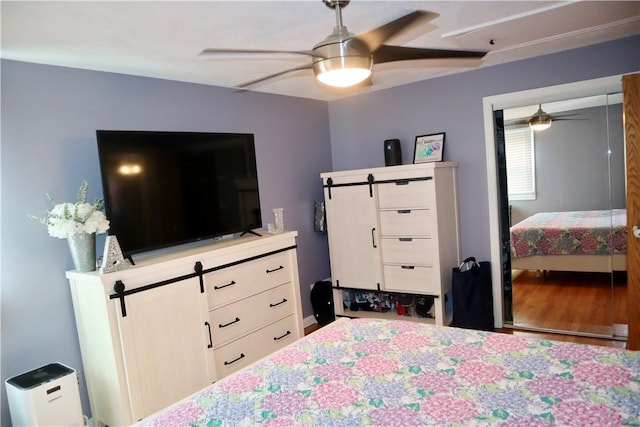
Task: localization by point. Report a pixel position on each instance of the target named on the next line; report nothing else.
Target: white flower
(96, 223)
(67, 219)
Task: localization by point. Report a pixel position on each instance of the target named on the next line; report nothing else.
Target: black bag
(423, 305)
(472, 295)
(322, 302)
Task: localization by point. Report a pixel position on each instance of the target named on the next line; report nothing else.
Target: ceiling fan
(540, 120)
(344, 59)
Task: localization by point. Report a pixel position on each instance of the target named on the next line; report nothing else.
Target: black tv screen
(168, 188)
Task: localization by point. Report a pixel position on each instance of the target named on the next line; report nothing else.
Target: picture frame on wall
(429, 148)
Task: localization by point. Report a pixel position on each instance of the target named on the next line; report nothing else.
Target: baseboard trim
(309, 321)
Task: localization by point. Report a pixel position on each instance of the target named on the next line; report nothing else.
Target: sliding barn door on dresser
(406, 237)
(353, 233)
(161, 330)
(164, 345)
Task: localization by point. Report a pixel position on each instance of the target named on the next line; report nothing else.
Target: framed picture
(429, 148)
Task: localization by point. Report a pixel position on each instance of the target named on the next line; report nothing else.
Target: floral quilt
(367, 372)
(571, 233)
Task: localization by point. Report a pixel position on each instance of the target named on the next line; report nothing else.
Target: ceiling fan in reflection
(540, 120)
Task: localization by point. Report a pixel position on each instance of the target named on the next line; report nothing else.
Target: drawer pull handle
(402, 182)
(233, 282)
(281, 336)
(408, 267)
(278, 303)
(373, 237)
(406, 239)
(210, 345)
(404, 211)
(275, 269)
(229, 324)
(235, 360)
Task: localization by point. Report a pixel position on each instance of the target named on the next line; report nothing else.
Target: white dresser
(393, 230)
(174, 323)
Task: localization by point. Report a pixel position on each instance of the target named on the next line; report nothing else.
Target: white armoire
(393, 230)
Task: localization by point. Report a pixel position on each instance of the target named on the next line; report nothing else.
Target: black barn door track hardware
(120, 289)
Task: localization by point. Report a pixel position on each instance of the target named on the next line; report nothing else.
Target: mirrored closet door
(562, 203)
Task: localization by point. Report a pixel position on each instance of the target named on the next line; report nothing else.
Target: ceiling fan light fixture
(540, 120)
(345, 71)
(540, 126)
(540, 123)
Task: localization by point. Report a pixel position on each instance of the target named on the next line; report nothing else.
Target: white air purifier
(47, 396)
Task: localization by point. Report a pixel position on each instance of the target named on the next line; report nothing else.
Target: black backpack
(322, 302)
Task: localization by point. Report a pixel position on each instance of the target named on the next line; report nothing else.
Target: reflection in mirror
(566, 214)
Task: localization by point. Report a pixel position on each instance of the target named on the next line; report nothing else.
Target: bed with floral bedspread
(369, 372)
(571, 241)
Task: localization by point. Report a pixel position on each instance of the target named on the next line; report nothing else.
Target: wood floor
(566, 301)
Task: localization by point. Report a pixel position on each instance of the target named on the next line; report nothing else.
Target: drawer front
(233, 320)
(412, 279)
(243, 280)
(409, 250)
(407, 222)
(251, 348)
(411, 194)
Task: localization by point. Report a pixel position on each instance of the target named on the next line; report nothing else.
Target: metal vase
(83, 251)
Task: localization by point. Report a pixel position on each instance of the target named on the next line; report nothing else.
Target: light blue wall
(49, 118)
(453, 104)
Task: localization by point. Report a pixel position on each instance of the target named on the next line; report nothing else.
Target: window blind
(520, 154)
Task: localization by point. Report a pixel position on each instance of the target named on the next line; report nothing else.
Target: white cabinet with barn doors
(393, 230)
(173, 323)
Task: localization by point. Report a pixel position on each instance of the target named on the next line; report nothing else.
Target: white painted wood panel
(251, 348)
(165, 351)
(233, 320)
(354, 237)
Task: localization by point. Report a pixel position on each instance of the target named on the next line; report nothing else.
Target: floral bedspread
(571, 233)
(366, 372)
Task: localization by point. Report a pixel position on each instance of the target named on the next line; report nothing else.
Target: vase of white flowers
(78, 223)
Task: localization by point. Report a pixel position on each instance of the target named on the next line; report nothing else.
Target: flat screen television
(164, 189)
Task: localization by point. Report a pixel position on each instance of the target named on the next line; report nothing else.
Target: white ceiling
(163, 39)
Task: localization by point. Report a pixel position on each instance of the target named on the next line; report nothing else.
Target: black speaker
(392, 152)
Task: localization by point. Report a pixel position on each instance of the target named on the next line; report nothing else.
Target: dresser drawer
(412, 279)
(239, 282)
(406, 194)
(409, 250)
(407, 222)
(233, 320)
(251, 348)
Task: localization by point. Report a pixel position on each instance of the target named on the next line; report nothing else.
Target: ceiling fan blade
(376, 37)
(271, 76)
(387, 53)
(523, 122)
(557, 116)
(557, 119)
(216, 51)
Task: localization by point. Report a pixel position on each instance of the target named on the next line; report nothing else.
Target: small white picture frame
(429, 148)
